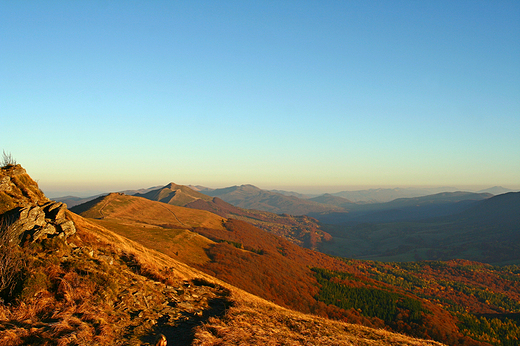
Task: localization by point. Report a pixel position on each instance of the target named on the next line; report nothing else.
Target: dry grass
(144, 211)
(254, 321)
(81, 308)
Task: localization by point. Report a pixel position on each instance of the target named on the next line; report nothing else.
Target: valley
(193, 257)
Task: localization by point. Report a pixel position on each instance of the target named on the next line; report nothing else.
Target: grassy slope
(244, 256)
(301, 230)
(108, 290)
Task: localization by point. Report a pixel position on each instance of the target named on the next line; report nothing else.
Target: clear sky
(112, 95)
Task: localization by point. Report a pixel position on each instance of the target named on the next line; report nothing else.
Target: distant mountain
(174, 194)
(302, 230)
(72, 201)
(291, 193)
(387, 195)
(403, 209)
(495, 190)
(332, 200)
(200, 188)
(251, 197)
(487, 231)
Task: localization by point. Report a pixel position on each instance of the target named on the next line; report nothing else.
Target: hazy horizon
(305, 190)
(297, 93)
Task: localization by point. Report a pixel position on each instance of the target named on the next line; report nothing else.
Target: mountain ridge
(98, 287)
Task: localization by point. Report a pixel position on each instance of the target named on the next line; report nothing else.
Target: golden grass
(180, 244)
(144, 211)
(254, 321)
(75, 315)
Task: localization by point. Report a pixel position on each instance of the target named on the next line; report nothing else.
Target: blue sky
(303, 95)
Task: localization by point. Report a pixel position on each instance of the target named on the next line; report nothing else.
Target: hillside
(301, 230)
(332, 200)
(301, 279)
(94, 286)
(403, 209)
(251, 197)
(174, 194)
(488, 231)
(381, 195)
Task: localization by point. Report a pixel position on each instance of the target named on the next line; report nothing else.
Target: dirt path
(176, 218)
(187, 306)
(101, 209)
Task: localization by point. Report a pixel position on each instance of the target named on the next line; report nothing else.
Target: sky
(102, 96)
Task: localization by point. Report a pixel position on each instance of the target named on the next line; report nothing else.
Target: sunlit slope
(248, 318)
(275, 269)
(245, 318)
(254, 260)
(301, 230)
(154, 224)
(141, 210)
(174, 194)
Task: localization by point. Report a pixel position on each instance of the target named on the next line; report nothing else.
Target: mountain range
(134, 268)
(302, 230)
(486, 230)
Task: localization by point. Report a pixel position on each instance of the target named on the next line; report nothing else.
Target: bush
(7, 160)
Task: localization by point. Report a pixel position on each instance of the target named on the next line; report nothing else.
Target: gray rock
(39, 222)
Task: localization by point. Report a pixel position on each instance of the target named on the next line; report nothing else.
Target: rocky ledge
(37, 222)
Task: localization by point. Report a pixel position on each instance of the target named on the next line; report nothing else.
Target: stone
(39, 222)
(5, 184)
(66, 227)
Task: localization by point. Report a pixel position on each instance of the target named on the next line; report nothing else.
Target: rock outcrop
(33, 223)
(17, 189)
(31, 216)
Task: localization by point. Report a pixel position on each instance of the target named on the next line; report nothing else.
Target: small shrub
(7, 160)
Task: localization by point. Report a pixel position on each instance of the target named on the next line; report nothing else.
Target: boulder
(33, 223)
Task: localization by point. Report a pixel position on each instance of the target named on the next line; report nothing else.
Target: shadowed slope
(488, 231)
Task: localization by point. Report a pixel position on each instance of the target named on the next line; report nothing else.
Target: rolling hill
(488, 231)
(251, 197)
(301, 279)
(302, 230)
(96, 286)
(174, 194)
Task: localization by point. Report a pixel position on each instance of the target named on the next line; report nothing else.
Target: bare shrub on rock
(7, 160)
